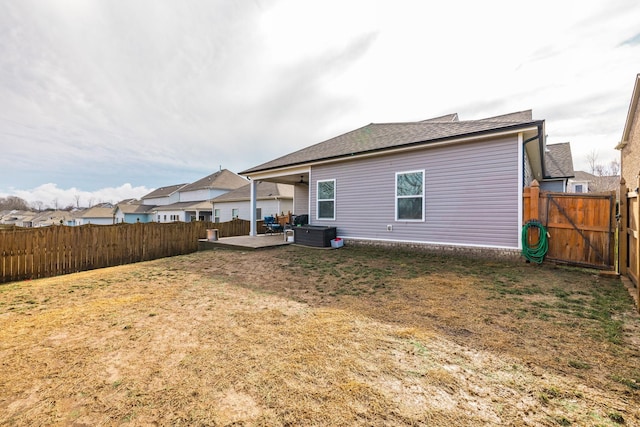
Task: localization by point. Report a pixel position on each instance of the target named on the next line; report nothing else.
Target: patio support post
(252, 209)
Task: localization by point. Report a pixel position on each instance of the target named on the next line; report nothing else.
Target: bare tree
(13, 203)
(614, 167)
(77, 198)
(37, 205)
(592, 160)
(55, 204)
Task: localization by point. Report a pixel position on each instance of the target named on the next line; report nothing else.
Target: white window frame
(318, 200)
(235, 213)
(216, 215)
(422, 171)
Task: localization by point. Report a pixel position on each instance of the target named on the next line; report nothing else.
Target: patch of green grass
(563, 421)
(578, 364)
(633, 384)
(616, 417)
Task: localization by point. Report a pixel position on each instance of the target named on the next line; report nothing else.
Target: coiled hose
(536, 251)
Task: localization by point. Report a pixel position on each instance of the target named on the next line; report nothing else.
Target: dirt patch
(300, 336)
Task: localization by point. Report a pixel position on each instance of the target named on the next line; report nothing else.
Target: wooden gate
(628, 240)
(581, 226)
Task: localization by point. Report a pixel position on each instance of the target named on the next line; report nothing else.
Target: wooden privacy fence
(629, 225)
(30, 253)
(581, 226)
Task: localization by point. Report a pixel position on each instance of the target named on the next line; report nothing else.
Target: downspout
(541, 148)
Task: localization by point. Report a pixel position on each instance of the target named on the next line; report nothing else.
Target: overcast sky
(111, 99)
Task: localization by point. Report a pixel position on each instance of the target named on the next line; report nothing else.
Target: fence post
(534, 206)
(623, 241)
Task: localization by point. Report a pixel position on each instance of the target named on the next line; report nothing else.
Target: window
(578, 188)
(235, 213)
(216, 215)
(410, 196)
(326, 199)
(175, 217)
(258, 213)
(158, 218)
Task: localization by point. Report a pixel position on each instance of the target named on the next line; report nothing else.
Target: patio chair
(271, 225)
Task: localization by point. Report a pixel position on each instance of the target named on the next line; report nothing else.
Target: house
(48, 218)
(18, 218)
(191, 202)
(183, 211)
(163, 195)
(629, 145)
(442, 181)
(132, 211)
(584, 182)
(100, 214)
(580, 182)
(211, 186)
(271, 199)
(559, 167)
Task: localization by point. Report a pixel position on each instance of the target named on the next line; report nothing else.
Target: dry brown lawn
(301, 336)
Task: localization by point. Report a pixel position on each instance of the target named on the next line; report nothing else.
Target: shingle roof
(264, 191)
(584, 176)
(134, 207)
(163, 191)
(221, 180)
(558, 161)
(384, 136)
(98, 212)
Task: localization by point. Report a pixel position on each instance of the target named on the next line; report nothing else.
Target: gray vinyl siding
(471, 195)
(301, 199)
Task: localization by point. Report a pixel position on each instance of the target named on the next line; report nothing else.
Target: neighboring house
(442, 181)
(190, 202)
(559, 167)
(163, 195)
(132, 211)
(183, 211)
(48, 218)
(271, 199)
(629, 145)
(211, 186)
(580, 182)
(584, 182)
(18, 218)
(101, 214)
(30, 219)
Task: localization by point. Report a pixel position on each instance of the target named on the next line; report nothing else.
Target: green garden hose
(536, 251)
